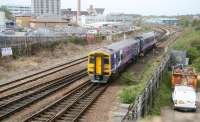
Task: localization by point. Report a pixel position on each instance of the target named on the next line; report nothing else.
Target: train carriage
(108, 61)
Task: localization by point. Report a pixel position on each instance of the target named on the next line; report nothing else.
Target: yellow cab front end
(99, 68)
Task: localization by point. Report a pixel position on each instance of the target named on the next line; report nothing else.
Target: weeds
(163, 97)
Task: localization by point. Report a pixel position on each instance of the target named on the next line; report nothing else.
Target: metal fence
(144, 101)
(6, 41)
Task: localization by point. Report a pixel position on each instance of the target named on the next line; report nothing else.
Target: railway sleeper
(49, 113)
(67, 116)
(42, 119)
(45, 116)
(76, 109)
(67, 120)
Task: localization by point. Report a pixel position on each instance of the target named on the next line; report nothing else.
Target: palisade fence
(144, 101)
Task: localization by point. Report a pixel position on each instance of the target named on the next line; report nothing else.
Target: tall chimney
(78, 10)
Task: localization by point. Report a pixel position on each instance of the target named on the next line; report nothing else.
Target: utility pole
(78, 11)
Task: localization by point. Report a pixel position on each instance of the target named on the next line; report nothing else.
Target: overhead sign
(6, 51)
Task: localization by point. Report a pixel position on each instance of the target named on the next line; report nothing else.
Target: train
(107, 62)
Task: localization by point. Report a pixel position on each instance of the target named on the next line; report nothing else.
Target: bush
(128, 95)
(193, 53)
(76, 40)
(196, 64)
(127, 78)
(196, 43)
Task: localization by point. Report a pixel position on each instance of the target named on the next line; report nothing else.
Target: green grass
(36, 48)
(128, 94)
(186, 39)
(163, 98)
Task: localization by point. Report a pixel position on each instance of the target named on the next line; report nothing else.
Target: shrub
(128, 95)
(76, 40)
(127, 78)
(193, 53)
(196, 64)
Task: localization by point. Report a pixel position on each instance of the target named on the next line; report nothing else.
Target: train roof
(119, 45)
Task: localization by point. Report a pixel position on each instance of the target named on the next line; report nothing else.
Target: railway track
(71, 106)
(33, 77)
(15, 95)
(7, 108)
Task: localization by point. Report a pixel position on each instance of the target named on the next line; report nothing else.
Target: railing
(144, 101)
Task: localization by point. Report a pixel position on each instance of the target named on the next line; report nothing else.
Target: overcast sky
(144, 7)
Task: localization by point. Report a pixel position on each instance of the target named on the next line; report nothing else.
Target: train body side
(147, 41)
(105, 62)
(110, 60)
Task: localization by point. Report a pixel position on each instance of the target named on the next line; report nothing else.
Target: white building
(19, 9)
(122, 18)
(2, 20)
(46, 7)
(91, 19)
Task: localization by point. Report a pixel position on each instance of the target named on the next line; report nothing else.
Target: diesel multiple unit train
(106, 62)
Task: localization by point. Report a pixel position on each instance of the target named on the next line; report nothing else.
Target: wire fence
(6, 41)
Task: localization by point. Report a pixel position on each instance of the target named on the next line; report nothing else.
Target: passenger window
(91, 60)
(106, 61)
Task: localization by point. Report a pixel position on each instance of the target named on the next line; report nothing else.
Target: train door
(99, 65)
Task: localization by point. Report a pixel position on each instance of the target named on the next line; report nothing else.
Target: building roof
(50, 20)
(24, 15)
(73, 13)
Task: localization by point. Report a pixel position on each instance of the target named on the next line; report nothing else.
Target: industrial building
(165, 21)
(50, 22)
(122, 18)
(23, 20)
(46, 7)
(19, 9)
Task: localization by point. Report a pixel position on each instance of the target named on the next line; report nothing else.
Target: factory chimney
(78, 10)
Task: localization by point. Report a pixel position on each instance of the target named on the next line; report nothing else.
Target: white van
(184, 97)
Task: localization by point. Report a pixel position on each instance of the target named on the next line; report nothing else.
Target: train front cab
(99, 68)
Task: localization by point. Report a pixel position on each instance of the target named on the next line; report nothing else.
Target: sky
(143, 7)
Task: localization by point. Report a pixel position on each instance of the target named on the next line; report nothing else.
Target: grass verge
(128, 94)
(163, 98)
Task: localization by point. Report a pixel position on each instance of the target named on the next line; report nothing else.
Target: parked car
(184, 98)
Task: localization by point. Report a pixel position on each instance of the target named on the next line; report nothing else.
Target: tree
(184, 21)
(8, 14)
(196, 24)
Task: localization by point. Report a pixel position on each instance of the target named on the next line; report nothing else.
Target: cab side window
(92, 60)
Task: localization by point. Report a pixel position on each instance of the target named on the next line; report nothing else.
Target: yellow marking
(98, 65)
